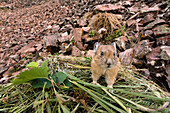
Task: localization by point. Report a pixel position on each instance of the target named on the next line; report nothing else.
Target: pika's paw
(94, 83)
(111, 91)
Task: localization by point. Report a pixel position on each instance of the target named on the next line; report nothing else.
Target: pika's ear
(96, 45)
(114, 45)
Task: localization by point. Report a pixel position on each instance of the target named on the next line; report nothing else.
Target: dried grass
(132, 93)
(105, 20)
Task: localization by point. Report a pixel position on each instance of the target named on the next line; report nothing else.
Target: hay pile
(132, 92)
(105, 20)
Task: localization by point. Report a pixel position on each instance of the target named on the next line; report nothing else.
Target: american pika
(105, 62)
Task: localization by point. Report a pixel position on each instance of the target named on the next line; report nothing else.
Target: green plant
(34, 73)
(116, 33)
(92, 33)
(38, 76)
(73, 41)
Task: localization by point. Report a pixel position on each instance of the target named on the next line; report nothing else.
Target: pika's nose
(108, 64)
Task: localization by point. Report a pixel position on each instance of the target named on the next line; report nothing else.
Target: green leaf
(92, 33)
(32, 64)
(39, 83)
(28, 75)
(67, 83)
(59, 77)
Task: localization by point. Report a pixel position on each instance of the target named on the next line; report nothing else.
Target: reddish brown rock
(134, 9)
(162, 30)
(64, 37)
(90, 53)
(26, 47)
(154, 54)
(163, 40)
(50, 43)
(165, 53)
(75, 52)
(80, 45)
(142, 48)
(38, 47)
(86, 29)
(55, 29)
(148, 18)
(82, 22)
(131, 22)
(107, 7)
(87, 38)
(152, 24)
(30, 50)
(148, 33)
(151, 9)
(126, 57)
(77, 34)
(50, 40)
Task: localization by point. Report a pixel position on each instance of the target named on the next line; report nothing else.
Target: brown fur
(99, 65)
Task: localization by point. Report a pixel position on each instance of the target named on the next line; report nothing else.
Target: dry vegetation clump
(105, 20)
(132, 92)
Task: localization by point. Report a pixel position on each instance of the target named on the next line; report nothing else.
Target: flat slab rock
(142, 48)
(154, 54)
(50, 40)
(107, 7)
(148, 18)
(90, 53)
(126, 57)
(162, 30)
(27, 48)
(152, 24)
(165, 40)
(165, 53)
(87, 38)
(77, 33)
(75, 52)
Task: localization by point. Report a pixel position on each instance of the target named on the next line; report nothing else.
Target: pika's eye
(113, 54)
(102, 53)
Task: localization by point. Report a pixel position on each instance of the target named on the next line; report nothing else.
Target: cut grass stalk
(95, 96)
(137, 105)
(126, 92)
(117, 100)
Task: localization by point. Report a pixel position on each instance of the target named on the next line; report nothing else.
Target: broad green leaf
(28, 75)
(67, 83)
(32, 64)
(59, 77)
(39, 83)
